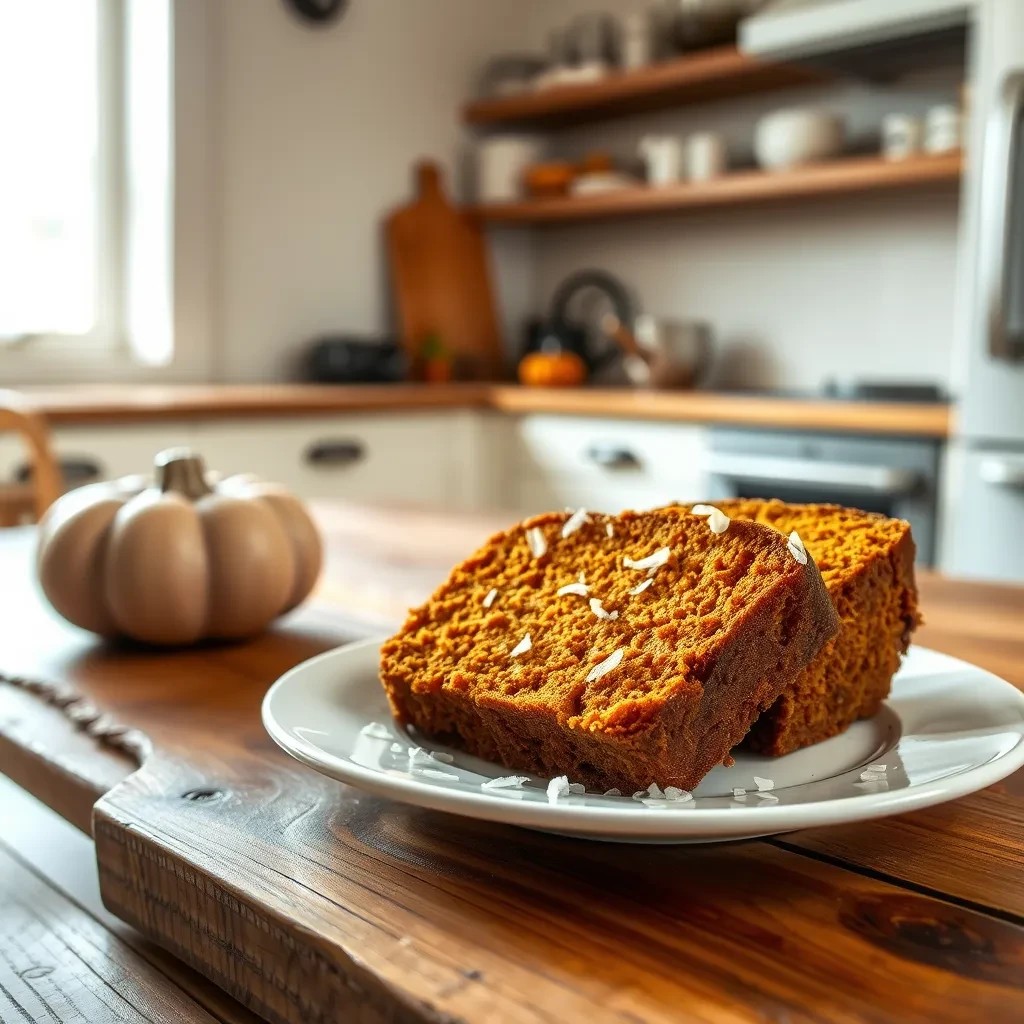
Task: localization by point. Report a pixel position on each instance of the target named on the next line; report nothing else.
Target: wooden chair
(21, 502)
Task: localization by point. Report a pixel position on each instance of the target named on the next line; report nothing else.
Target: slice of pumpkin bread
(617, 650)
(867, 562)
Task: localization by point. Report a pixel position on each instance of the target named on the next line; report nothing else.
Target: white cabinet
(603, 464)
(413, 459)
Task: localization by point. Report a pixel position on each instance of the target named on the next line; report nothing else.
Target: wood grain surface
(310, 901)
(702, 76)
(850, 176)
(113, 404)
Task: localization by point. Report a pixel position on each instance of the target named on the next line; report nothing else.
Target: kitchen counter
(100, 404)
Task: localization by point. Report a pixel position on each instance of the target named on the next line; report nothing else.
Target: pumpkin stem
(181, 470)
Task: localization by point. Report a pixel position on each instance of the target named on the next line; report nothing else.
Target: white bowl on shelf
(797, 135)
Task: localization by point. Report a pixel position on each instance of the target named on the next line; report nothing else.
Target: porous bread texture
(867, 563)
(728, 621)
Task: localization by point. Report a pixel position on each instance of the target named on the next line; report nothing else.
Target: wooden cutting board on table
(442, 281)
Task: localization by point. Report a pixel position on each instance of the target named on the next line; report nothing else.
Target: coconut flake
(739, 794)
(609, 528)
(796, 548)
(878, 767)
(654, 791)
(579, 589)
(491, 597)
(640, 794)
(377, 731)
(674, 793)
(602, 668)
(397, 748)
(558, 788)
(577, 788)
(870, 776)
(440, 755)
(522, 647)
(767, 798)
(537, 541)
(718, 521)
(597, 607)
(655, 560)
(641, 587)
(505, 782)
(574, 522)
(613, 792)
(764, 785)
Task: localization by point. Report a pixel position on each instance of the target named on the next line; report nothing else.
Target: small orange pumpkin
(559, 369)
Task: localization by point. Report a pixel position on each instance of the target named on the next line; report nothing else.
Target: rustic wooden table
(309, 901)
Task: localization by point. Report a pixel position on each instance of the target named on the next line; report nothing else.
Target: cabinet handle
(335, 453)
(74, 471)
(612, 457)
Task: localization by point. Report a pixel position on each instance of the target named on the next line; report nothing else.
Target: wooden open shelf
(710, 75)
(837, 178)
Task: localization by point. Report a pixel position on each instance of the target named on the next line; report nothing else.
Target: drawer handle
(612, 457)
(335, 453)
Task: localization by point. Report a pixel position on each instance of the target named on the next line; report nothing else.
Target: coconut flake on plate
(522, 647)
(597, 607)
(674, 793)
(377, 731)
(718, 521)
(877, 768)
(654, 791)
(870, 776)
(739, 794)
(505, 782)
(767, 798)
(578, 589)
(613, 792)
(491, 597)
(574, 522)
(796, 548)
(655, 560)
(397, 748)
(641, 587)
(440, 755)
(602, 668)
(577, 788)
(764, 785)
(537, 541)
(558, 788)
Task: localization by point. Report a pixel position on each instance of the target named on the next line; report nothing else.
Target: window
(60, 160)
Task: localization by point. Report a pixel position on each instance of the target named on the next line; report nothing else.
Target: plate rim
(672, 823)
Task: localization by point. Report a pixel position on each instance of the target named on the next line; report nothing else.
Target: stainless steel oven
(895, 476)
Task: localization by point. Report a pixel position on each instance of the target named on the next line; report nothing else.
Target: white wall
(319, 131)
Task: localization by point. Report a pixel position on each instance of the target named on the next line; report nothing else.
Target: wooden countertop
(101, 404)
(309, 900)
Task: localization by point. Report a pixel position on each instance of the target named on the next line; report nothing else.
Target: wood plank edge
(244, 944)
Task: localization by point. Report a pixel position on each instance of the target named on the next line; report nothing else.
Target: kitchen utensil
(697, 24)
(595, 183)
(502, 161)
(441, 279)
(663, 158)
(577, 308)
(549, 179)
(351, 360)
(942, 129)
(947, 729)
(798, 135)
(184, 560)
(509, 74)
(593, 39)
(902, 136)
(706, 156)
(662, 353)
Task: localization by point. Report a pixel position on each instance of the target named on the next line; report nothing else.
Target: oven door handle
(848, 475)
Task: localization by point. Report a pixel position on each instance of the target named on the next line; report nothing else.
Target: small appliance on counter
(348, 359)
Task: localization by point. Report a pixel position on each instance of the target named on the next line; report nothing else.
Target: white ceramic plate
(948, 729)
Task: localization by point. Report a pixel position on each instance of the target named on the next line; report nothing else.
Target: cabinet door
(606, 465)
(409, 459)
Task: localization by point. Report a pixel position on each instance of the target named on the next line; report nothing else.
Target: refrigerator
(982, 509)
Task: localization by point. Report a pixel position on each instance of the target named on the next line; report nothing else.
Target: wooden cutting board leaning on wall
(442, 281)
